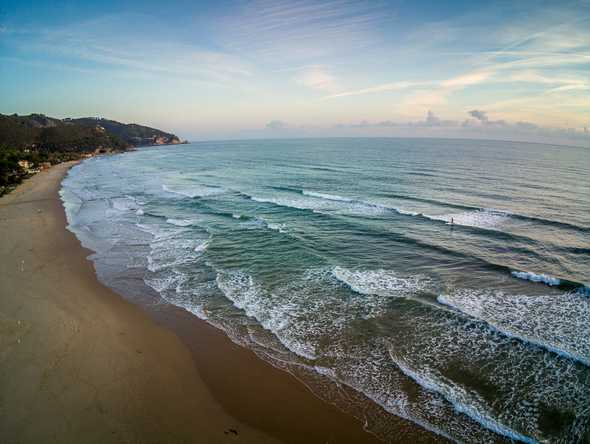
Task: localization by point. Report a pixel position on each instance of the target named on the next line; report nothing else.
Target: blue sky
(291, 68)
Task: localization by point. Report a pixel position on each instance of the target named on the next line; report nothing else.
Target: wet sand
(78, 363)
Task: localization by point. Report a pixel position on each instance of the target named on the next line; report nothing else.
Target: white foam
(172, 246)
(321, 205)
(253, 224)
(505, 385)
(180, 222)
(274, 314)
(488, 219)
(281, 228)
(533, 277)
(327, 196)
(202, 247)
(163, 283)
(193, 190)
(380, 282)
(124, 203)
(300, 204)
(406, 212)
(559, 323)
(139, 212)
(461, 400)
(374, 207)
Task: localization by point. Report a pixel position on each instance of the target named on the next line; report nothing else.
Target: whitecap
(193, 191)
(274, 314)
(321, 205)
(180, 222)
(504, 384)
(202, 247)
(406, 212)
(557, 322)
(381, 282)
(281, 228)
(533, 277)
(327, 196)
(124, 203)
(488, 219)
(460, 399)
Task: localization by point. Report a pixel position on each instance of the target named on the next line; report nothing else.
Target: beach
(196, 294)
(81, 364)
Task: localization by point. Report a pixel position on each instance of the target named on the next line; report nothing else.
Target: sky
(515, 70)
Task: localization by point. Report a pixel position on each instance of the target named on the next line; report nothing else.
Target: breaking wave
(180, 222)
(533, 277)
(487, 219)
(326, 196)
(193, 191)
(381, 282)
(563, 284)
(460, 400)
(558, 323)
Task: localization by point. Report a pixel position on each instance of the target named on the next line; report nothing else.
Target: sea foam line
(380, 282)
(196, 191)
(563, 284)
(452, 396)
(327, 196)
(567, 347)
(533, 277)
(482, 218)
(180, 222)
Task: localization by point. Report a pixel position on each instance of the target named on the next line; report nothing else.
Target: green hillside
(29, 142)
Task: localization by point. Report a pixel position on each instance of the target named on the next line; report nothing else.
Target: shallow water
(445, 280)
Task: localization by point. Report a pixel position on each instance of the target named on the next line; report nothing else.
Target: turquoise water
(445, 280)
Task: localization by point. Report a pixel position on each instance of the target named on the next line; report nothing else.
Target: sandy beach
(81, 364)
(78, 363)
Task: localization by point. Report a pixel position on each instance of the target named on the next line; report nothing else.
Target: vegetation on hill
(30, 142)
(132, 133)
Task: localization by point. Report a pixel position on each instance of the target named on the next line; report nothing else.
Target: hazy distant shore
(81, 364)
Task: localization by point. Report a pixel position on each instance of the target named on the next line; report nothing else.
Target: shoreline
(77, 362)
(104, 370)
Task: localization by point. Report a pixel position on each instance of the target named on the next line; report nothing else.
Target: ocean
(447, 281)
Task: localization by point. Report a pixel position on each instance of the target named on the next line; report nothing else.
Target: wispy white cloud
(287, 30)
(471, 78)
(434, 89)
(317, 78)
(386, 87)
(124, 42)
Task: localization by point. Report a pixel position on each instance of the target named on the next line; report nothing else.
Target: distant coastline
(31, 143)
